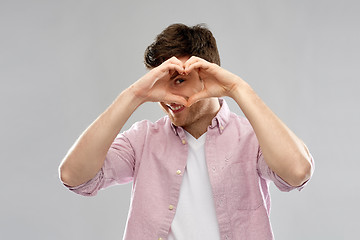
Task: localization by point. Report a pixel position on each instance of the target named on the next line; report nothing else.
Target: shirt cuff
(89, 188)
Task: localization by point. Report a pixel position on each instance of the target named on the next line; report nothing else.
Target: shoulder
(240, 122)
(239, 128)
(146, 134)
(228, 119)
(145, 126)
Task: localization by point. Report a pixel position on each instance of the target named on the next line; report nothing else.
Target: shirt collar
(220, 120)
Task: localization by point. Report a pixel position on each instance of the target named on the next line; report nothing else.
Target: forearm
(283, 151)
(87, 155)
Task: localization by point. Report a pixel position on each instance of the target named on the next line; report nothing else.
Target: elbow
(301, 173)
(65, 175)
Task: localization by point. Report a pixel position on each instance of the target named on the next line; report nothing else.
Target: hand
(217, 81)
(154, 86)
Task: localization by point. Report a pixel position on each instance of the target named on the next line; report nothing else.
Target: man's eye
(178, 81)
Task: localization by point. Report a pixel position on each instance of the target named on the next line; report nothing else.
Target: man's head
(183, 42)
(180, 40)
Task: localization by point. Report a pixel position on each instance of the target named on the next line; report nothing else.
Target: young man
(201, 172)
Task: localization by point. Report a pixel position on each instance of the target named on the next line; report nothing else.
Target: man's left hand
(217, 81)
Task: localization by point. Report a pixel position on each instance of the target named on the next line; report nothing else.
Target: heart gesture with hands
(217, 81)
(154, 86)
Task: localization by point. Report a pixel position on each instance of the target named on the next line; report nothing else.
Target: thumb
(172, 98)
(196, 97)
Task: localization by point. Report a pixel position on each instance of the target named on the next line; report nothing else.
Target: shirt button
(160, 239)
(183, 141)
(178, 172)
(171, 207)
(221, 127)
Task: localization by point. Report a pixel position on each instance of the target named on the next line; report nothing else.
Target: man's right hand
(153, 86)
(87, 155)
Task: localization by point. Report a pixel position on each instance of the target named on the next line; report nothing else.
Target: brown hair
(180, 40)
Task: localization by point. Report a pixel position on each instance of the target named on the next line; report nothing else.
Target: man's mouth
(175, 108)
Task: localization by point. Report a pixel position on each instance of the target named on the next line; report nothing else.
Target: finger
(174, 67)
(176, 61)
(169, 64)
(168, 70)
(196, 97)
(196, 65)
(194, 59)
(191, 61)
(172, 98)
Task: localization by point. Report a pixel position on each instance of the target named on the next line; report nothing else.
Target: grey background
(63, 62)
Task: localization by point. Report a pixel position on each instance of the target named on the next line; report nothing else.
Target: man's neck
(199, 127)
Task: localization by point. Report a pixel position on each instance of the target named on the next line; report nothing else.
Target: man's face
(185, 86)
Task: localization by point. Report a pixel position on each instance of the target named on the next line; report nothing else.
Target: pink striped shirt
(154, 155)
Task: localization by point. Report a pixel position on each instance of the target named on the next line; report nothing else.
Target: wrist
(136, 94)
(238, 88)
(133, 96)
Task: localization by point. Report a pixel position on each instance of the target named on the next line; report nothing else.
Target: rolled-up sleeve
(268, 174)
(118, 168)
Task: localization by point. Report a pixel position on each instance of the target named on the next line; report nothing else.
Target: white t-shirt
(195, 217)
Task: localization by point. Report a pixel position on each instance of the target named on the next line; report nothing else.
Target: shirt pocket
(245, 187)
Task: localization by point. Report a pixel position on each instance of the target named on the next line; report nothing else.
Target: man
(201, 172)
